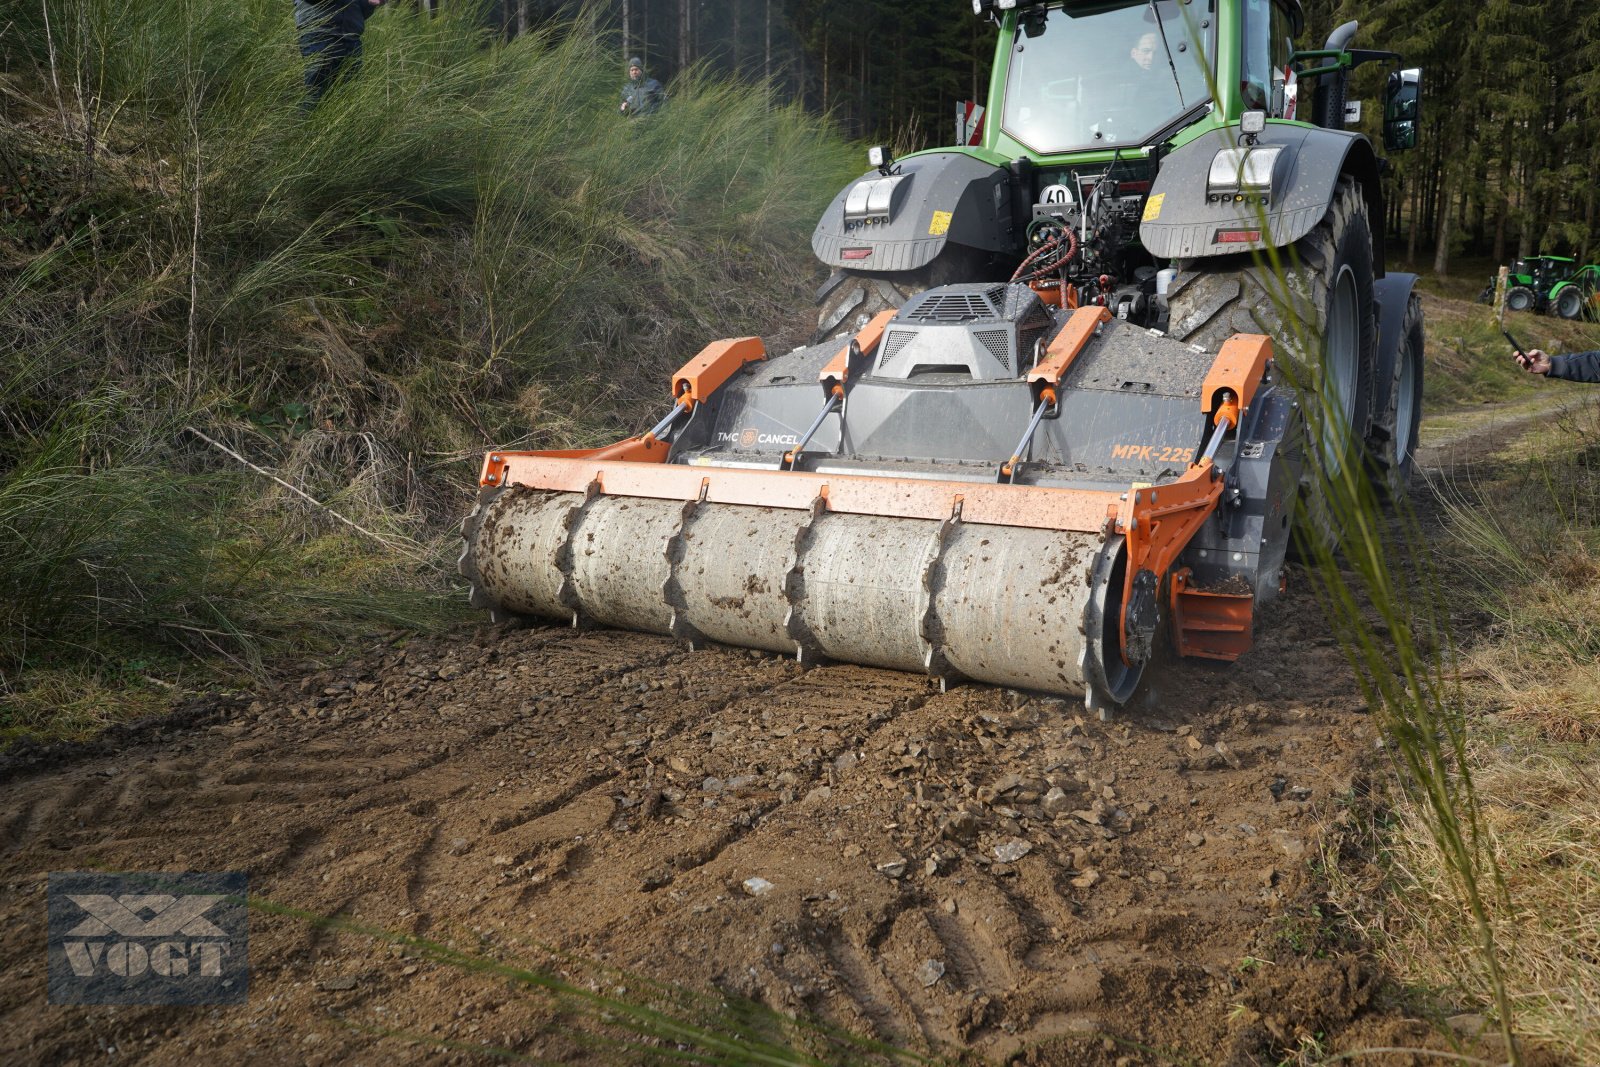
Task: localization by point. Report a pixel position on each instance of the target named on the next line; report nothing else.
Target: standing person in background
(1574, 366)
(330, 40)
(641, 95)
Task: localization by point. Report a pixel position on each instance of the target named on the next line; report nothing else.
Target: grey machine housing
(945, 396)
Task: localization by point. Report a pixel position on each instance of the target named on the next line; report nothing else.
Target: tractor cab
(1543, 272)
(1096, 76)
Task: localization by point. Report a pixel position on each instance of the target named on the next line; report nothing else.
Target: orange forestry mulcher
(979, 485)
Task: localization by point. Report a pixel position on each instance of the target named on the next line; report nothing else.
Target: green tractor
(1172, 161)
(1578, 297)
(1532, 282)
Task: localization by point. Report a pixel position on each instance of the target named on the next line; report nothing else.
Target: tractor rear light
(856, 253)
(1236, 172)
(872, 199)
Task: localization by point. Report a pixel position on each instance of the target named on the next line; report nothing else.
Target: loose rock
(1012, 851)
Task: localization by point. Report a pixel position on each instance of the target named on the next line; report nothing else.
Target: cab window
(1265, 82)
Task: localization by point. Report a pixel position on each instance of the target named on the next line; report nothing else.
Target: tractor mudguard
(1392, 293)
(1185, 218)
(901, 221)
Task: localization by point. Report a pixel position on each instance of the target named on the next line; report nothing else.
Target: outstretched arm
(1575, 366)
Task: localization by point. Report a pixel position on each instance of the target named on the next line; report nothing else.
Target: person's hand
(1534, 362)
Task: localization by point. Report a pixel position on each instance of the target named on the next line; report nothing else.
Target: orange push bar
(837, 372)
(1067, 346)
(716, 363)
(1238, 368)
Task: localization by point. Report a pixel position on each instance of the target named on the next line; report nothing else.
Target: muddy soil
(977, 873)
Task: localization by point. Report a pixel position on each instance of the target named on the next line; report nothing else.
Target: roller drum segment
(996, 604)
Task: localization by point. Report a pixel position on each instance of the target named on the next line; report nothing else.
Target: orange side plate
(1208, 624)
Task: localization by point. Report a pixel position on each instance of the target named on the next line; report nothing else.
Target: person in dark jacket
(640, 94)
(330, 40)
(1574, 366)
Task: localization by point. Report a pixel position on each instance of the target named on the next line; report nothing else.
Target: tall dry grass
(462, 247)
(1520, 532)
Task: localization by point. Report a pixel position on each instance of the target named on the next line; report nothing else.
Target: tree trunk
(767, 67)
(1588, 226)
(1441, 252)
(1416, 219)
(738, 66)
(1528, 218)
(683, 35)
(825, 70)
(1503, 202)
(627, 30)
(522, 17)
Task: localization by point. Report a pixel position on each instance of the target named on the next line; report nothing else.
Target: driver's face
(634, 73)
(1144, 53)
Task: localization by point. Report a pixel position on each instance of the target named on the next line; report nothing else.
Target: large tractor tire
(1569, 303)
(1323, 322)
(1520, 298)
(1392, 444)
(849, 300)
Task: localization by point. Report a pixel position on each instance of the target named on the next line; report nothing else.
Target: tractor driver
(1127, 97)
(1144, 50)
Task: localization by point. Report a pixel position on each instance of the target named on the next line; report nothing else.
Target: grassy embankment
(1512, 531)
(464, 247)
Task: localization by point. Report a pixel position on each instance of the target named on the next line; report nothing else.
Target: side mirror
(1402, 109)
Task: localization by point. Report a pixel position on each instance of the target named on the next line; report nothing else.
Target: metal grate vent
(951, 307)
(1027, 338)
(998, 342)
(892, 344)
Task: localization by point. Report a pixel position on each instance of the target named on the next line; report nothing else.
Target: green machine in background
(1531, 282)
(1578, 297)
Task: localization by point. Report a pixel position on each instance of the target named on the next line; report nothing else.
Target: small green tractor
(1531, 283)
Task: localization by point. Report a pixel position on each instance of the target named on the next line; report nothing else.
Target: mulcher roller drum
(990, 603)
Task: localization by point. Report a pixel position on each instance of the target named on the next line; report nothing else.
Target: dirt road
(608, 795)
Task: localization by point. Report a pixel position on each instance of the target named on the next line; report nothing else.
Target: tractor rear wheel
(1519, 298)
(1322, 319)
(1392, 445)
(1569, 303)
(849, 300)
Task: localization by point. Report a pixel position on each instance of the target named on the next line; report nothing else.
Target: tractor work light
(1243, 174)
(878, 156)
